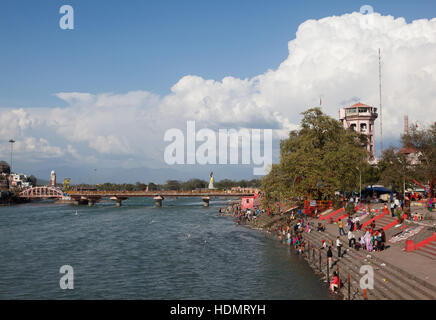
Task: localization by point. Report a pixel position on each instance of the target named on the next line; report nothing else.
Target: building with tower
(361, 117)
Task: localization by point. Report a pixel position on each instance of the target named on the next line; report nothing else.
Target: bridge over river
(91, 197)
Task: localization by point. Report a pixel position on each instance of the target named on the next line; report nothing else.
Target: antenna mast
(406, 124)
(380, 91)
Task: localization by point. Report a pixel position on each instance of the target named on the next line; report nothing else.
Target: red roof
(358, 105)
(408, 150)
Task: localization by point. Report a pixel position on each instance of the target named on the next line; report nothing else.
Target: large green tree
(395, 169)
(317, 160)
(423, 140)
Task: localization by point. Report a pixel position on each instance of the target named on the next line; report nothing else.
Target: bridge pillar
(158, 200)
(118, 200)
(206, 201)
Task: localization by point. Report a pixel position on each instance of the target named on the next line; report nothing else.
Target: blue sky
(118, 46)
(103, 94)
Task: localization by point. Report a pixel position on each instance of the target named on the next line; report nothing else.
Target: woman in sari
(367, 240)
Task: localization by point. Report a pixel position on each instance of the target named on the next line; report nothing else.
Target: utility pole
(380, 93)
(12, 141)
(360, 186)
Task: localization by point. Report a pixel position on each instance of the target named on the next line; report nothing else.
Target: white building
(19, 180)
(360, 117)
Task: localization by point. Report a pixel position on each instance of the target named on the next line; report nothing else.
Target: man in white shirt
(338, 246)
(393, 208)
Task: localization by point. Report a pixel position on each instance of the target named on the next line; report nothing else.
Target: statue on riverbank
(211, 181)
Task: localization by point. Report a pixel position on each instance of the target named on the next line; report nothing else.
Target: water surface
(137, 251)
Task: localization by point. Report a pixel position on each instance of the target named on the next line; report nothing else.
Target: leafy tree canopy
(317, 160)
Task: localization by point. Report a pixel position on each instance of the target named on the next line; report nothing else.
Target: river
(137, 251)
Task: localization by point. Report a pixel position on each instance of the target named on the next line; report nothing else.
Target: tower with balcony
(360, 117)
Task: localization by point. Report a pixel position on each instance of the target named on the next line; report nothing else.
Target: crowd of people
(292, 233)
(373, 240)
(242, 216)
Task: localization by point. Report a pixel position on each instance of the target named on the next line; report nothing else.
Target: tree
(423, 140)
(394, 169)
(32, 180)
(193, 184)
(172, 185)
(316, 160)
(152, 186)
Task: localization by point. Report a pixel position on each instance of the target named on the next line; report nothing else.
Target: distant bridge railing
(41, 193)
(194, 193)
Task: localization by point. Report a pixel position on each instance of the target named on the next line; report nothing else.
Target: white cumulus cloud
(335, 58)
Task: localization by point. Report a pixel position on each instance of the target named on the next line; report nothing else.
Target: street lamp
(12, 141)
(360, 185)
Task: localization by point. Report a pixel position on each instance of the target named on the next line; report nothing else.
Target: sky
(93, 103)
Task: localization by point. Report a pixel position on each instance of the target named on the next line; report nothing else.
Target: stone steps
(429, 250)
(326, 212)
(384, 221)
(347, 265)
(412, 282)
(353, 270)
(431, 245)
(398, 285)
(382, 289)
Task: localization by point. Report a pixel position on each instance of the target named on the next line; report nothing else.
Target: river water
(137, 251)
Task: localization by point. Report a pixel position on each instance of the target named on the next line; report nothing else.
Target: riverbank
(11, 200)
(398, 275)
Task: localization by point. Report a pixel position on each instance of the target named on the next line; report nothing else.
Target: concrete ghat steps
(428, 254)
(429, 250)
(355, 293)
(432, 245)
(412, 281)
(382, 290)
(348, 265)
(348, 268)
(393, 284)
(409, 287)
(384, 221)
(326, 213)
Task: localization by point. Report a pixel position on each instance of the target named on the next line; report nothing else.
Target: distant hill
(42, 182)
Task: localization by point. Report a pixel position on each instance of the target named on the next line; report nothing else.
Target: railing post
(320, 259)
(349, 287)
